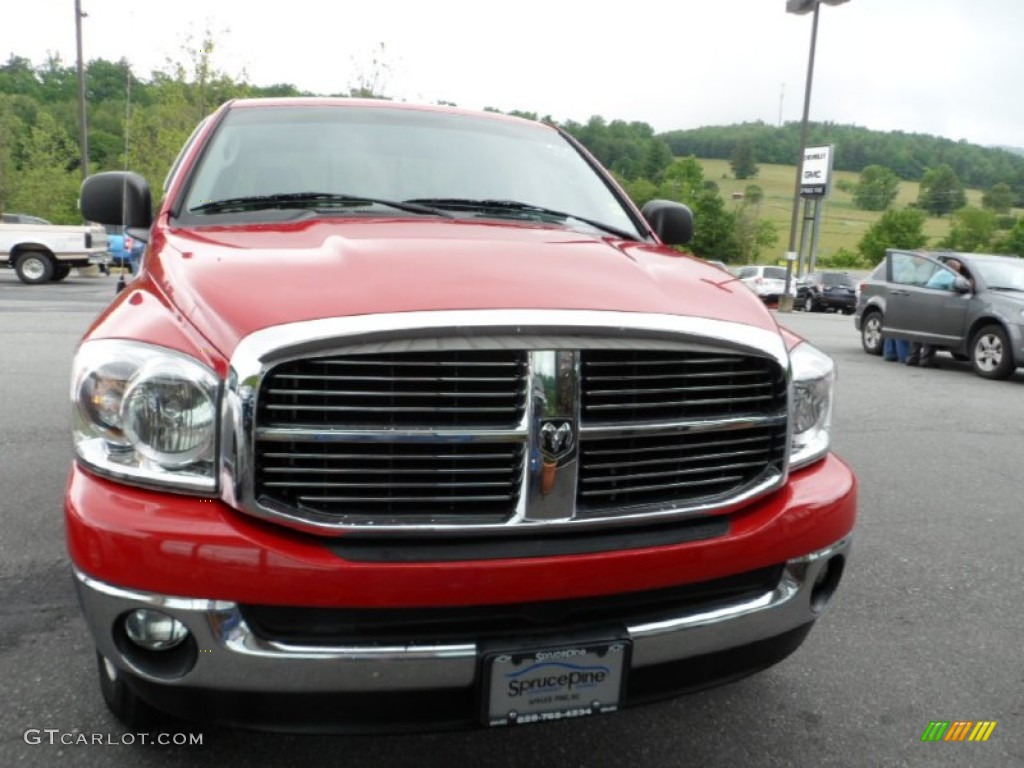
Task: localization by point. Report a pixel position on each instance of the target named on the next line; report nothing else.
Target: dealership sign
(816, 171)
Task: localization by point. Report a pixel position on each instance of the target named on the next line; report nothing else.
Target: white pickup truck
(41, 252)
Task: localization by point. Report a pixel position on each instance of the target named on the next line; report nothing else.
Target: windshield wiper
(514, 206)
(315, 200)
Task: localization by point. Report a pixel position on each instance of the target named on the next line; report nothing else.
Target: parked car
(123, 250)
(456, 439)
(22, 218)
(975, 315)
(41, 252)
(823, 291)
(768, 282)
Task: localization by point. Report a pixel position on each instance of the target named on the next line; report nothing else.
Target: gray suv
(976, 313)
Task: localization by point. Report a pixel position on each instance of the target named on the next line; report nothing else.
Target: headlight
(146, 414)
(814, 383)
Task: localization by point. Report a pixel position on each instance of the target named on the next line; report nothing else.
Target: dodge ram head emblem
(556, 438)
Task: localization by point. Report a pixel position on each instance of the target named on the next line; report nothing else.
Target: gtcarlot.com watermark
(58, 737)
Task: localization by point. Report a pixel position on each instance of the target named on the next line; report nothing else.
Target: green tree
(972, 230)
(842, 258)
(47, 183)
(682, 180)
(941, 191)
(998, 198)
(898, 228)
(743, 161)
(877, 188)
(753, 194)
(1014, 241)
(641, 191)
(657, 157)
(753, 236)
(11, 129)
(714, 227)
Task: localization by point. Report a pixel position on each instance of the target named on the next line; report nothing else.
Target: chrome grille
(440, 431)
(627, 386)
(633, 388)
(418, 389)
(659, 469)
(372, 481)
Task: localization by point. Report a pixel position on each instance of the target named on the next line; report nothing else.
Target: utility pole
(82, 127)
(801, 7)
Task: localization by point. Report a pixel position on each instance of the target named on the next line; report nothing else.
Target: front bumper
(239, 678)
(233, 657)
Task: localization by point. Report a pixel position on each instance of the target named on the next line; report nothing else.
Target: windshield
(1001, 273)
(371, 158)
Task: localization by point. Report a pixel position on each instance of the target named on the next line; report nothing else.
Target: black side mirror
(117, 197)
(672, 222)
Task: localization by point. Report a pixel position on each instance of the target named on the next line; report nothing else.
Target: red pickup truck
(412, 419)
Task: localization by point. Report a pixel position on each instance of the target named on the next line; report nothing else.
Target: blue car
(124, 251)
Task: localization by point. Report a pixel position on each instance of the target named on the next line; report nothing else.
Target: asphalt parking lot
(927, 625)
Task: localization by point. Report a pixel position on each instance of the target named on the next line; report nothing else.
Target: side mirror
(671, 222)
(117, 197)
(961, 284)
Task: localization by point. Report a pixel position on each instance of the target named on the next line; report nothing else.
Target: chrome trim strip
(234, 658)
(684, 427)
(560, 329)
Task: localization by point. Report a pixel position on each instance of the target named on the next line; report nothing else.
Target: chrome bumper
(232, 658)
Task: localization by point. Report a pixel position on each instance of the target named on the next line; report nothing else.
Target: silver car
(768, 282)
(977, 314)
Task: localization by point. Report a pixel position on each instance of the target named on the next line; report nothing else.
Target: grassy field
(842, 224)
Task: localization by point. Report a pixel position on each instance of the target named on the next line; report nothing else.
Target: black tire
(60, 272)
(871, 332)
(809, 305)
(991, 354)
(122, 701)
(848, 311)
(34, 267)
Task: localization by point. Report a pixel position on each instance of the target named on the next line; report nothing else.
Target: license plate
(543, 684)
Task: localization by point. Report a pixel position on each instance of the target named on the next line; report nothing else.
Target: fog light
(153, 630)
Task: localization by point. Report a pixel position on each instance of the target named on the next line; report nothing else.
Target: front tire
(809, 305)
(991, 355)
(34, 267)
(871, 333)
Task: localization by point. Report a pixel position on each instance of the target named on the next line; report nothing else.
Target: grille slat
(691, 403)
(366, 393)
(655, 462)
(383, 409)
(699, 484)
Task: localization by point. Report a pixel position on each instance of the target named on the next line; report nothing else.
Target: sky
(952, 68)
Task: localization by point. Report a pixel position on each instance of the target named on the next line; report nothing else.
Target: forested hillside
(140, 123)
(909, 155)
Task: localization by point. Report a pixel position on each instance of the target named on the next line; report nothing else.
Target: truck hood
(231, 281)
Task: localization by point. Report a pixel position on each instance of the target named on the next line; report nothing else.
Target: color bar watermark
(958, 730)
